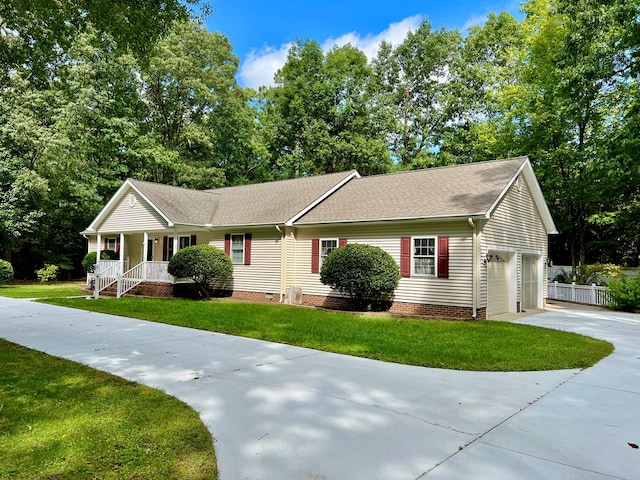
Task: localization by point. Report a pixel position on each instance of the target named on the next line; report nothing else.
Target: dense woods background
(92, 93)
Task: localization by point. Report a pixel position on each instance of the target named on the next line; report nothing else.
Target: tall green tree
(416, 93)
(33, 33)
(319, 117)
(189, 80)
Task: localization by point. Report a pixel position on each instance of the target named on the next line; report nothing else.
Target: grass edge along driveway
(477, 346)
(60, 419)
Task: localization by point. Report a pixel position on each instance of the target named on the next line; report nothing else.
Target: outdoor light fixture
(492, 257)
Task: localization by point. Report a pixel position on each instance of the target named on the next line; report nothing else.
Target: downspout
(282, 260)
(475, 268)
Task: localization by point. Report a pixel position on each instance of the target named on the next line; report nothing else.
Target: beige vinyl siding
(515, 227)
(92, 243)
(263, 275)
(125, 218)
(133, 248)
(455, 290)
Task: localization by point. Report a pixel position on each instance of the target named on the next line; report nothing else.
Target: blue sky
(262, 31)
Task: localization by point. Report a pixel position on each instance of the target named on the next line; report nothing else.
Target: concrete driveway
(286, 413)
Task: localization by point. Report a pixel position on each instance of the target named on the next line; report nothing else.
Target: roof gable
(467, 190)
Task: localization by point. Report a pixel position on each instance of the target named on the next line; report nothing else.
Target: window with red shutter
(227, 244)
(315, 255)
(247, 248)
(443, 257)
(405, 256)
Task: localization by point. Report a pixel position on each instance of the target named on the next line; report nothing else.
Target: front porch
(140, 258)
(110, 273)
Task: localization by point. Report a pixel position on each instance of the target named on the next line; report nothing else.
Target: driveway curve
(282, 412)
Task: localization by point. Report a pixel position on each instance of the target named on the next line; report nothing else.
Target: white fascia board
(325, 195)
(527, 170)
(117, 197)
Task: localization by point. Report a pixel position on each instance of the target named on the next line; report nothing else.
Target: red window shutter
(165, 250)
(227, 244)
(315, 255)
(193, 240)
(247, 249)
(117, 245)
(443, 257)
(405, 256)
(342, 242)
(106, 244)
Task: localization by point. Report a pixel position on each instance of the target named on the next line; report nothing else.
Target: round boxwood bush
(204, 264)
(89, 260)
(367, 274)
(6, 272)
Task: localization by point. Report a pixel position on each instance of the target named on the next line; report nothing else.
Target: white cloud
(259, 67)
(474, 20)
(395, 33)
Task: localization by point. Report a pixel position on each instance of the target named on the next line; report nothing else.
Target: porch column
(98, 243)
(175, 243)
(121, 253)
(145, 253)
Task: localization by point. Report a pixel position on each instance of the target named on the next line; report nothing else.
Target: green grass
(45, 290)
(59, 419)
(482, 346)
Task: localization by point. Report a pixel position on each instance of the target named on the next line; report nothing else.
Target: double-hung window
(111, 243)
(424, 256)
(237, 248)
(184, 242)
(326, 247)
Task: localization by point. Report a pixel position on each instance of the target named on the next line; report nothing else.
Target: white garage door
(498, 288)
(529, 281)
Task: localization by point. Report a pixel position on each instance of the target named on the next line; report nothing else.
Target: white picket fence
(570, 292)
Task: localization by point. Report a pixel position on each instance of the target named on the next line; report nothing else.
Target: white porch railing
(108, 273)
(145, 271)
(157, 272)
(588, 294)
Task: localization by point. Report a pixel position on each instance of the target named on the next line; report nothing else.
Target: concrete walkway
(286, 413)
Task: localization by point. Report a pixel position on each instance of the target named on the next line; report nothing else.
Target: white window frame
(237, 255)
(109, 241)
(415, 256)
(323, 250)
(188, 241)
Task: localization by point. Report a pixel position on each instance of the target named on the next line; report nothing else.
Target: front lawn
(59, 419)
(481, 346)
(41, 290)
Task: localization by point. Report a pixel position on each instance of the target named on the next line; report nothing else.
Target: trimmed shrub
(6, 272)
(367, 274)
(625, 294)
(204, 264)
(48, 273)
(89, 262)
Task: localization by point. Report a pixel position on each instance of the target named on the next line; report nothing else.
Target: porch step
(110, 291)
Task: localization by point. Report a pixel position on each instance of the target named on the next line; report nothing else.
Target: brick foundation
(153, 289)
(256, 296)
(400, 308)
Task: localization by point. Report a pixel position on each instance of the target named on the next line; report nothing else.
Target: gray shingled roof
(180, 205)
(256, 204)
(461, 190)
